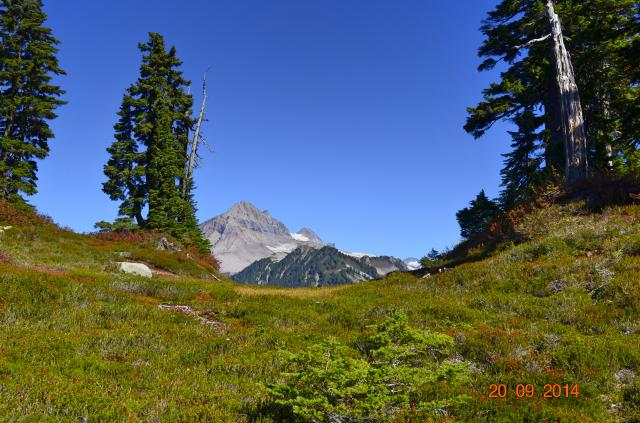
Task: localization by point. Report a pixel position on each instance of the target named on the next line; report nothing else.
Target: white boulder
(135, 269)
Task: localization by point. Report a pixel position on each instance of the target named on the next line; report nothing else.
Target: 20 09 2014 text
(528, 390)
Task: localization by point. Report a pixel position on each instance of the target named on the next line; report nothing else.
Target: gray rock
(556, 286)
(385, 264)
(165, 245)
(625, 376)
(135, 269)
(312, 236)
(244, 235)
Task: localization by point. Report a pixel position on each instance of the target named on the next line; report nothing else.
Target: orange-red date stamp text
(528, 390)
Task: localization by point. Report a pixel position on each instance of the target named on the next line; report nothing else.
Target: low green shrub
(386, 378)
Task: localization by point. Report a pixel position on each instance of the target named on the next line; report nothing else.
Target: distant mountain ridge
(309, 267)
(313, 267)
(255, 247)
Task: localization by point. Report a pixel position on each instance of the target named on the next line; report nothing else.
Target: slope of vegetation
(81, 342)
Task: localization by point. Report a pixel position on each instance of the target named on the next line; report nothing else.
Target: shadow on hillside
(268, 411)
(603, 191)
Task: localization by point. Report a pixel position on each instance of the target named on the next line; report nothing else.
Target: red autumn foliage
(204, 260)
(24, 215)
(127, 237)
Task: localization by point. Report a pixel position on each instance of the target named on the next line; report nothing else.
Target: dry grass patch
(289, 292)
(144, 299)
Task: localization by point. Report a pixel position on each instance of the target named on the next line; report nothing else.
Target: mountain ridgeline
(254, 247)
(310, 267)
(245, 234)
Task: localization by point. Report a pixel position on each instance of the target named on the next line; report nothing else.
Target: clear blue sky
(341, 115)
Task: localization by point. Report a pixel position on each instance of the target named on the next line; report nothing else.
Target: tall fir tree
(28, 98)
(600, 35)
(148, 158)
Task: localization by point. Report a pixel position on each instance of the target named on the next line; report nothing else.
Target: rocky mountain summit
(244, 234)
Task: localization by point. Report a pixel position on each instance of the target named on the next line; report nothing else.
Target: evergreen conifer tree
(28, 98)
(148, 158)
(126, 167)
(600, 35)
(476, 218)
(523, 165)
(630, 104)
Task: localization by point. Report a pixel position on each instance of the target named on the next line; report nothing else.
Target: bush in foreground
(388, 377)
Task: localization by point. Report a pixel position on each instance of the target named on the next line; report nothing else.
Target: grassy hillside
(81, 342)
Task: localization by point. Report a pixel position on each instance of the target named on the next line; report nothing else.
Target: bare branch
(534, 41)
(193, 157)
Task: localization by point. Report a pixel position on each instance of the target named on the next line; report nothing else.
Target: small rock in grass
(165, 245)
(625, 376)
(557, 286)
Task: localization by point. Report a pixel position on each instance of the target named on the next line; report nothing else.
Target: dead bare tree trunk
(193, 157)
(572, 120)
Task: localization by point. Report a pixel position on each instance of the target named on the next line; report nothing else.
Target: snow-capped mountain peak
(244, 234)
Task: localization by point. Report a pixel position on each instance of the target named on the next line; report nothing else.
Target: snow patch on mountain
(283, 248)
(356, 255)
(299, 237)
(413, 264)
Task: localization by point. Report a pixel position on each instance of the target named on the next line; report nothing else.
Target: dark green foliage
(148, 158)
(630, 104)
(475, 219)
(433, 254)
(631, 405)
(602, 37)
(307, 266)
(331, 382)
(126, 167)
(523, 165)
(433, 259)
(122, 224)
(28, 99)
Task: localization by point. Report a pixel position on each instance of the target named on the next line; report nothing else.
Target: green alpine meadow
(557, 302)
(528, 310)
